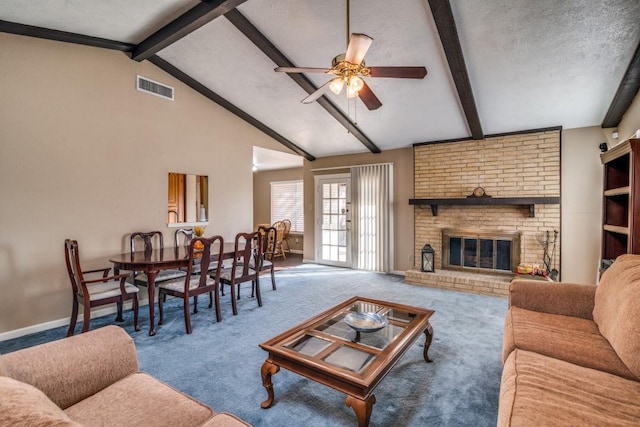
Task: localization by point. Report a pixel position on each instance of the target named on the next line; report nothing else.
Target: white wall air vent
(154, 88)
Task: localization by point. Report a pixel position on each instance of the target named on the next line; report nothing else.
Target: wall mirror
(188, 200)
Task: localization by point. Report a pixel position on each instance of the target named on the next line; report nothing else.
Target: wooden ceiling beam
(627, 90)
(201, 14)
(208, 93)
(63, 36)
(268, 48)
(443, 16)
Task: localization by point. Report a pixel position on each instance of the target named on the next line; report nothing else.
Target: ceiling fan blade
(301, 70)
(368, 98)
(358, 46)
(317, 94)
(399, 72)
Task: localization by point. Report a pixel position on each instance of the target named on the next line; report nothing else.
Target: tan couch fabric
(538, 390)
(567, 299)
(119, 405)
(24, 405)
(95, 366)
(617, 309)
(567, 338)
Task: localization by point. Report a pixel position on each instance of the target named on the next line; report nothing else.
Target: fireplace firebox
(480, 251)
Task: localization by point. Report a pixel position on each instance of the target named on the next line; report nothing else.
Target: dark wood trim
(63, 36)
(627, 90)
(268, 48)
(208, 93)
(495, 135)
(201, 14)
(529, 202)
(443, 16)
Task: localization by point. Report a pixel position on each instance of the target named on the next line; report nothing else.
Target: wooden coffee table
(327, 350)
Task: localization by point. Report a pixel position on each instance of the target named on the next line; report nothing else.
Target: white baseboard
(296, 251)
(399, 273)
(308, 261)
(17, 333)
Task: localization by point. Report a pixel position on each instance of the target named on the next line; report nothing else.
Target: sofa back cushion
(3, 370)
(617, 309)
(24, 405)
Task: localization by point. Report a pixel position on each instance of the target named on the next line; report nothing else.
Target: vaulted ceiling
(494, 66)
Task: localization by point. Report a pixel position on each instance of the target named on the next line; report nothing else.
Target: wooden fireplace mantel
(530, 202)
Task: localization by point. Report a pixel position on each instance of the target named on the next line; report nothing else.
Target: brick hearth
(485, 284)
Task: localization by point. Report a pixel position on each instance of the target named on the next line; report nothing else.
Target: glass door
(333, 220)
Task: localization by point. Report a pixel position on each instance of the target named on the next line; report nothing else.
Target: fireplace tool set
(545, 240)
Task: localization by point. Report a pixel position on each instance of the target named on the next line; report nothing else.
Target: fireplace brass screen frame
(513, 236)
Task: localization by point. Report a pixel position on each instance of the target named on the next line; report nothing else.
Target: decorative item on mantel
(428, 259)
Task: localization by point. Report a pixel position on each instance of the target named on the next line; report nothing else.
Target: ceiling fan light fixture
(351, 92)
(355, 83)
(336, 85)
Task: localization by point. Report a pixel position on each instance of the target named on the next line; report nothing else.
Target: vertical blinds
(287, 202)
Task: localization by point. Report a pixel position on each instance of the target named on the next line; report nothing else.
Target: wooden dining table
(151, 262)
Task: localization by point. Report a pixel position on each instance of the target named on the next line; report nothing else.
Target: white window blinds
(287, 202)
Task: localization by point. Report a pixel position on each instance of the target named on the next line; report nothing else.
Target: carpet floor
(219, 364)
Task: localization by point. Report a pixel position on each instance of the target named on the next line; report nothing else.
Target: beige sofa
(571, 352)
(93, 379)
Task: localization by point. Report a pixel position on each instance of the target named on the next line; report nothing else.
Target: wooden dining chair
(247, 247)
(96, 292)
(194, 284)
(285, 235)
(150, 240)
(269, 236)
(280, 227)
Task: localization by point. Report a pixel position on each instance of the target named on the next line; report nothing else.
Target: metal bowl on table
(366, 321)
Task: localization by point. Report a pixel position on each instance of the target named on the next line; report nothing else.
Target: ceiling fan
(349, 69)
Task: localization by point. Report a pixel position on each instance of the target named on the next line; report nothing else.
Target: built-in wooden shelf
(621, 191)
(616, 229)
(529, 202)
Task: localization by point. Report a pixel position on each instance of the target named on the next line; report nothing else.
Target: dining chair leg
(258, 296)
(210, 299)
(234, 305)
(273, 278)
(195, 304)
(119, 317)
(161, 307)
(253, 289)
(238, 290)
(136, 306)
(217, 300)
(74, 317)
(86, 318)
(187, 316)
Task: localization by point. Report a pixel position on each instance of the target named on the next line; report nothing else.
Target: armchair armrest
(105, 271)
(567, 299)
(72, 369)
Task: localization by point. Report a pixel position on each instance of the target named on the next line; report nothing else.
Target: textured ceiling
(531, 64)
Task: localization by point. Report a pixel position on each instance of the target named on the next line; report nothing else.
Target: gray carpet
(219, 364)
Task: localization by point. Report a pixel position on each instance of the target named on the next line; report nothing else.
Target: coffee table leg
(362, 408)
(429, 335)
(267, 370)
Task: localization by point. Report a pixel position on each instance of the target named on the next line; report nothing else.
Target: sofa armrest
(567, 299)
(72, 369)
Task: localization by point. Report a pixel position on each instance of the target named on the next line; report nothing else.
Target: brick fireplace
(513, 170)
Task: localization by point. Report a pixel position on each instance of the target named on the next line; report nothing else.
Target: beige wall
(402, 160)
(581, 203)
(262, 198)
(630, 122)
(85, 155)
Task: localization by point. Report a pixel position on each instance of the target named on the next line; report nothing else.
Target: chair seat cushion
(140, 400)
(178, 285)
(225, 274)
(162, 276)
(109, 289)
(572, 339)
(22, 404)
(537, 390)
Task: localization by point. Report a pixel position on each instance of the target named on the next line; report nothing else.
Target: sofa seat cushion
(572, 339)
(139, 400)
(22, 404)
(225, 420)
(537, 390)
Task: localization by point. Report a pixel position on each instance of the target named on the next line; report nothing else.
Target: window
(287, 202)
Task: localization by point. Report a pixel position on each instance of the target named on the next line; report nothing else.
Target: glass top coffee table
(351, 359)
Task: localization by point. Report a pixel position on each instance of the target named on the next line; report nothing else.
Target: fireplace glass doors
(480, 251)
